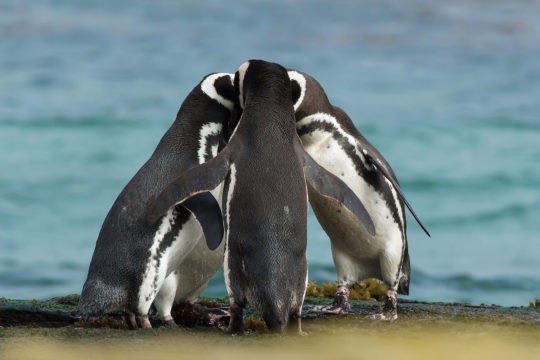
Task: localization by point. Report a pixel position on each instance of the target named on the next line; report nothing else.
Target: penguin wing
(191, 190)
(331, 187)
(206, 210)
(374, 158)
(377, 164)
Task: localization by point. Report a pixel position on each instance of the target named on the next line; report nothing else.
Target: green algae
(369, 289)
(213, 302)
(254, 324)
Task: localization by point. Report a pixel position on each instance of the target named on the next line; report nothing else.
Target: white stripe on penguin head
(209, 88)
(207, 130)
(241, 75)
(301, 80)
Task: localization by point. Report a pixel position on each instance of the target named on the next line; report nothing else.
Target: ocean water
(448, 91)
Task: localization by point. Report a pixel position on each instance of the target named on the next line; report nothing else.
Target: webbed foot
(169, 322)
(389, 308)
(236, 324)
(212, 316)
(138, 321)
(340, 305)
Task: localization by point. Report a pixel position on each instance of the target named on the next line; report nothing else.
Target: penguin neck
(194, 133)
(271, 122)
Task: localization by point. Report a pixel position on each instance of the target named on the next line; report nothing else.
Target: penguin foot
(340, 305)
(236, 324)
(131, 320)
(329, 309)
(389, 308)
(213, 316)
(138, 321)
(295, 326)
(169, 322)
(144, 322)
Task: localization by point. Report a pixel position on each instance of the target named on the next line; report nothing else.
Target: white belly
(356, 253)
(199, 265)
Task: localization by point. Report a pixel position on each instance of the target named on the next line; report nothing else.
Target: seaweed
(251, 323)
(185, 314)
(212, 303)
(369, 289)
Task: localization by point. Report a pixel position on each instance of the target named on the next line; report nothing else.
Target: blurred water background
(449, 92)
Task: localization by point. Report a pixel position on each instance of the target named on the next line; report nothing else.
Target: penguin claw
(131, 321)
(144, 322)
(138, 321)
(213, 316)
(340, 305)
(170, 323)
(389, 309)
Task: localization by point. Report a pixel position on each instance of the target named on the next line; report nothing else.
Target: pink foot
(340, 305)
(169, 321)
(144, 322)
(389, 309)
(212, 316)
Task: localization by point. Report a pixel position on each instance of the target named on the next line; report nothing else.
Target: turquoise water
(449, 92)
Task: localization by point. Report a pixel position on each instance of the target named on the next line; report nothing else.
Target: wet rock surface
(61, 312)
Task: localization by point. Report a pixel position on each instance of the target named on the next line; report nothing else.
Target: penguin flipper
(199, 179)
(206, 210)
(333, 188)
(382, 168)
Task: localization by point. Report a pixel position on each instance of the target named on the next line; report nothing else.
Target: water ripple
(466, 282)
(509, 212)
(485, 182)
(15, 280)
(76, 123)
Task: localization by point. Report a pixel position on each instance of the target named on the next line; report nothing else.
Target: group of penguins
(229, 185)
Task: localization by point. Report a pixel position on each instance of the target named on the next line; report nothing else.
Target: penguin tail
(403, 285)
(276, 311)
(276, 320)
(98, 297)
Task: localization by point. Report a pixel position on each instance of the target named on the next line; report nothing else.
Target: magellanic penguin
(333, 141)
(266, 173)
(133, 262)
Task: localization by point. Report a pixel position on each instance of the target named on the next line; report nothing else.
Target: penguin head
(219, 87)
(298, 87)
(238, 97)
(239, 78)
(258, 78)
(308, 95)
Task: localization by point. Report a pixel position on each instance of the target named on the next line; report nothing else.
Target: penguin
(330, 137)
(189, 280)
(266, 174)
(135, 264)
